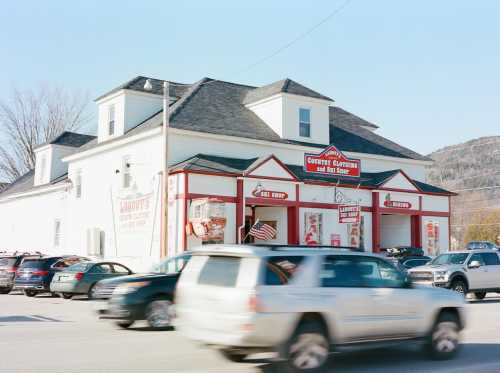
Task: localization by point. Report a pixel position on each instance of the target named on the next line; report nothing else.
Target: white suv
(304, 302)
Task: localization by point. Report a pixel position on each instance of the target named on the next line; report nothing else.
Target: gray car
(468, 271)
(82, 277)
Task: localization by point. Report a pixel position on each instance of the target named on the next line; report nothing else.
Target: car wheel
(308, 349)
(5, 290)
(124, 324)
(90, 292)
(480, 295)
(29, 293)
(459, 286)
(444, 340)
(233, 356)
(159, 313)
(67, 295)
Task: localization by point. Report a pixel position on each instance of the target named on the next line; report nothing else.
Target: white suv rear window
(220, 271)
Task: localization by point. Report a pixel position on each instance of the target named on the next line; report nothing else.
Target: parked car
(408, 262)
(9, 264)
(81, 278)
(481, 245)
(141, 297)
(302, 303)
(35, 274)
(470, 271)
(403, 251)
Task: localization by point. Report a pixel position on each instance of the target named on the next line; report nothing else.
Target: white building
(281, 154)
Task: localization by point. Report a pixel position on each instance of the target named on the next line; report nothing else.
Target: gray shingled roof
(281, 86)
(3, 186)
(238, 166)
(137, 84)
(214, 106)
(68, 138)
(26, 183)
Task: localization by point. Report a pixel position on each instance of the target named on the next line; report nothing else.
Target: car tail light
(11, 270)
(254, 303)
(40, 273)
(78, 276)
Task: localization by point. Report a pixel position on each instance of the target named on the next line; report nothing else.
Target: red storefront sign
(270, 194)
(396, 204)
(349, 214)
(332, 162)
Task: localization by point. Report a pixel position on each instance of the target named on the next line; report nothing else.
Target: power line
(299, 37)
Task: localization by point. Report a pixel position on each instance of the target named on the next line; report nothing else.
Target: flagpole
(253, 225)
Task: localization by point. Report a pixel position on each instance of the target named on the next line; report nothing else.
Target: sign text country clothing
(349, 214)
(270, 194)
(332, 162)
(398, 204)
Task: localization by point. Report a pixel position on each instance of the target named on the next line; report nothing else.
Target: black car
(141, 297)
(35, 274)
(9, 264)
(408, 262)
(404, 251)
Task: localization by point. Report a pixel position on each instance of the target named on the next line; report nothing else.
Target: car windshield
(79, 267)
(7, 262)
(34, 263)
(171, 265)
(449, 259)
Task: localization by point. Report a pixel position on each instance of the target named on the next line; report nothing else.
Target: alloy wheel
(309, 351)
(159, 313)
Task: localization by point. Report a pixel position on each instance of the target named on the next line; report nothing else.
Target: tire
(30, 293)
(159, 313)
(5, 290)
(480, 295)
(124, 324)
(233, 356)
(459, 286)
(67, 295)
(89, 293)
(308, 349)
(443, 342)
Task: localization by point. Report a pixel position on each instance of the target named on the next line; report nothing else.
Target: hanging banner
(349, 214)
(332, 162)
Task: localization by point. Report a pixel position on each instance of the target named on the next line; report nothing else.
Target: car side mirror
(474, 264)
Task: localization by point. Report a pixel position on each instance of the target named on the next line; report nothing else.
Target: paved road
(46, 334)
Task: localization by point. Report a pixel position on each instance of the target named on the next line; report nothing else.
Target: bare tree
(33, 117)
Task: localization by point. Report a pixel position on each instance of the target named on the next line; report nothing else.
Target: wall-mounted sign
(134, 211)
(261, 192)
(349, 213)
(396, 204)
(335, 239)
(332, 162)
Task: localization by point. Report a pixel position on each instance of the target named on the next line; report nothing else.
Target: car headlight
(440, 275)
(129, 287)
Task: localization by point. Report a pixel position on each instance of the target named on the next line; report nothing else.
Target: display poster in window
(313, 228)
(335, 239)
(432, 237)
(353, 235)
(207, 216)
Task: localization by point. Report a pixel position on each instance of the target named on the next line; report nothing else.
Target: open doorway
(274, 216)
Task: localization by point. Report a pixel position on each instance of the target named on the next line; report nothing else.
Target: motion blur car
(481, 245)
(35, 274)
(409, 262)
(9, 263)
(141, 297)
(80, 278)
(469, 271)
(302, 302)
(404, 251)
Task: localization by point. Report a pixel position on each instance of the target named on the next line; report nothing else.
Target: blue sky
(427, 72)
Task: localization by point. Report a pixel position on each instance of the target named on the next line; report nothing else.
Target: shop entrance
(274, 216)
(399, 230)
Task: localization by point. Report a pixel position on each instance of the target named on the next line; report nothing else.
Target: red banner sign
(269, 194)
(349, 214)
(397, 204)
(332, 162)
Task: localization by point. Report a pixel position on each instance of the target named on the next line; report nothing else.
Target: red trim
(239, 208)
(297, 215)
(449, 223)
(375, 222)
(222, 198)
(272, 156)
(186, 193)
(268, 202)
(269, 178)
(416, 231)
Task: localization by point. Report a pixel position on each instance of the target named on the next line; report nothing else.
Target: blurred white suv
(304, 303)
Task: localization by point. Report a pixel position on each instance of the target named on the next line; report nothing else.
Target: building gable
(401, 182)
(270, 167)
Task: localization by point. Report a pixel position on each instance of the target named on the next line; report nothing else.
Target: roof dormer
(48, 157)
(293, 111)
(128, 105)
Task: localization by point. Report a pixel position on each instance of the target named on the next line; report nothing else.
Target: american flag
(262, 231)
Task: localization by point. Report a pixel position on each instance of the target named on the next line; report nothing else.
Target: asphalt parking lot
(47, 334)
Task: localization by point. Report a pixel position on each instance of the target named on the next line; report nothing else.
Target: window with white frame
(57, 233)
(111, 120)
(78, 184)
(126, 174)
(304, 122)
(43, 162)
